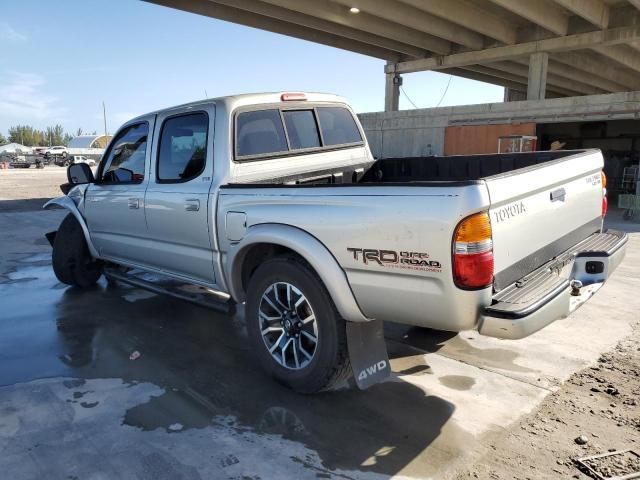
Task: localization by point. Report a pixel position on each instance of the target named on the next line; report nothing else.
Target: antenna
(104, 116)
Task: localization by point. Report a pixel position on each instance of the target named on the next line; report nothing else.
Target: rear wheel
(72, 262)
(294, 328)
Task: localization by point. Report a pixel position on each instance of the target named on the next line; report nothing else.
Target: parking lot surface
(73, 404)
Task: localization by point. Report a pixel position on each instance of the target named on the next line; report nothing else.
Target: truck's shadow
(22, 205)
(201, 359)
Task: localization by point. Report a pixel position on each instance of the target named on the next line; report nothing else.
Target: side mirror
(79, 173)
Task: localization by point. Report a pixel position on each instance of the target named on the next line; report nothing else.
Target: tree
(31, 137)
(25, 135)
(3, 140)
(57, 136)
(79, 132)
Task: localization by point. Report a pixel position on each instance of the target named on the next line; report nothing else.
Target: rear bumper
(545, 295)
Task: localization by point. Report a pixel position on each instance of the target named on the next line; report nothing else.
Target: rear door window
(302, 129)
(182, 152)
(338, 126)
(260, 132)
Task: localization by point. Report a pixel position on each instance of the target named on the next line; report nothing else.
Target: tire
(329, 365)
(72, 262)
(64, 154)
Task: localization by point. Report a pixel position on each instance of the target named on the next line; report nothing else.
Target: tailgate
(540, 211)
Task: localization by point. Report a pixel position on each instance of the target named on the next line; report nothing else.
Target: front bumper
(545, 295)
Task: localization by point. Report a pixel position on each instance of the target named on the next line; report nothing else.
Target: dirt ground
(29, 188)
(601, 404)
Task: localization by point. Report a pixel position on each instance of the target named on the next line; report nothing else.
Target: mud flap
(51, 237)
(368, 352)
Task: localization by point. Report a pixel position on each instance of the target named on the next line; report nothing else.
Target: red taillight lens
(473, 252)
(605, 202)
(474, 271)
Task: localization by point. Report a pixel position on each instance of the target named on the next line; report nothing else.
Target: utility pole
(104, 115)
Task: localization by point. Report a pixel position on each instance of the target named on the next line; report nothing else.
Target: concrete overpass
(535, 48)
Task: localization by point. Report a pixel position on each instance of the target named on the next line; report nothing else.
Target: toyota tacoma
(274, 200)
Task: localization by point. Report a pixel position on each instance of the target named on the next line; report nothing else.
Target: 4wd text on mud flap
(391, 257)
(371, 370)
(509, 211)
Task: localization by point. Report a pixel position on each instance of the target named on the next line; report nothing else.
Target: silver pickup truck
(275, 200)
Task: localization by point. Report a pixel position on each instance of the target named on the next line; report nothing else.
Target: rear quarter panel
(388, 221)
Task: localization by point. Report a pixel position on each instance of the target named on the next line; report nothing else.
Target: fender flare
(66, 203)
(309, 248)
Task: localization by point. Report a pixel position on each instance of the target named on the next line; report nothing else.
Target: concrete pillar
(537, 81)
(392, 92)
(511, 95)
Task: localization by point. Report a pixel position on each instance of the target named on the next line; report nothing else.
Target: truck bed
(535, 214)
(466, 169)
(455, 168)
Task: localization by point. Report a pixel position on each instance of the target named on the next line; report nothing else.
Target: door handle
(134, 203)
(192, 205)
(558, 194)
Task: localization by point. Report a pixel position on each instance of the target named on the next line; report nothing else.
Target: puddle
(457, 382)
(454, 346)
(493, 358)
(200, 360)
(409, 365)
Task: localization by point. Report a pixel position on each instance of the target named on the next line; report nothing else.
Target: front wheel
(71, 259)
(294, 328)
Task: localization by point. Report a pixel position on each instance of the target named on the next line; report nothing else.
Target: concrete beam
(564, 75)
(612, 36)
(497, 77)
(339, 14)
(418, 20)
(595, 12)
(469, 16)
(296, 18)
(635, 3)
(537, 79)
(392, 92)
(573, 75)
(521, 68)
(222, 12)
(623, 54)
(547, 15)
(594, 66)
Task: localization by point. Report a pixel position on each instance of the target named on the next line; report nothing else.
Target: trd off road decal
(393, 259)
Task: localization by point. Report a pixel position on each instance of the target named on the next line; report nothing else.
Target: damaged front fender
(67, 203)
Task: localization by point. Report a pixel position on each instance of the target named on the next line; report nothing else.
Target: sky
(61, 60)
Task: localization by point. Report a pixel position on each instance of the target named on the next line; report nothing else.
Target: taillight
(473, 252)
(605, 202)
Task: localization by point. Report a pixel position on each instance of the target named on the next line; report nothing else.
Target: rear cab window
(283, 131)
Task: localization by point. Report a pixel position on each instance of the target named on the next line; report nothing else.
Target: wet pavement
(194, 404)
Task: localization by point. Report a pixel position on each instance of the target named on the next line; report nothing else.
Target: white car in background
(82, 159)
(57, 151)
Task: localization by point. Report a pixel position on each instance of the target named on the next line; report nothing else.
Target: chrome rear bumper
(545, 295)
